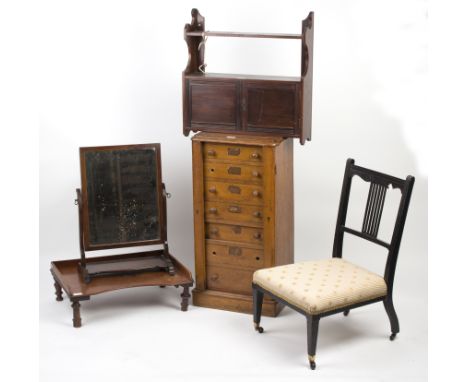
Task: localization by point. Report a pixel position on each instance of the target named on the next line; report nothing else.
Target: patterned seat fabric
(320, 286)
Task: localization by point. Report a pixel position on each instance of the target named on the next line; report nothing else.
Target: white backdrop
(111, 74)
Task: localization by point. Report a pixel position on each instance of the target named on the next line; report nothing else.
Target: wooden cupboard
(246, 104)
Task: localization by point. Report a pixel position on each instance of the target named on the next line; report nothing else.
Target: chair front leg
(257, 308)
(312, 334)
(390, 309)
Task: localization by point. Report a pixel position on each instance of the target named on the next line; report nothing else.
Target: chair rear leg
(312, 334)
(389, 308)
(257, 308)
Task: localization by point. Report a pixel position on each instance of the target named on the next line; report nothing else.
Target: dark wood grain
(289, 36)
(67, 276)
(249, 104)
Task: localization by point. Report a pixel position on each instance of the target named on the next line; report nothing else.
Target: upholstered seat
(321, 286)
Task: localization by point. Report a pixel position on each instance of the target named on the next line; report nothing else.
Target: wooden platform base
(67, 277)
(233, 302)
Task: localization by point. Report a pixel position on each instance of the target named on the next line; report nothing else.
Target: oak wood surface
(233, 172)
(233, 302)
(237, 254)
(232, 153)
(222, 191)
(235, 233)
(234, 237)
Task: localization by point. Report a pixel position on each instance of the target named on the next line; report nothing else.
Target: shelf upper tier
(199, 75)
(246, 34)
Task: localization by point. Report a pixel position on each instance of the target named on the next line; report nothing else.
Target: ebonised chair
(321, 288)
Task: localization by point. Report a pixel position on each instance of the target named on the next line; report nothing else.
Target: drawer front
(234, 233)
(233, 172)
(229, 192)
(233, 280)
(233, 212)
(233, 255)
(232, 153)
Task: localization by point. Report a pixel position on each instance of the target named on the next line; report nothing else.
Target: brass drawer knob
(211, 153)
(255, 155)
(212, 190)
(256, 193)
(255, 174)
(257, 214)
(213, 210)
(257, 235)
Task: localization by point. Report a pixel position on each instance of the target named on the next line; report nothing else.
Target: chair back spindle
(378, 185)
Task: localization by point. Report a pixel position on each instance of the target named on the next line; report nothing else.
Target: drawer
(233, 254)
(234, 233)
(232, 153)
(233, 212)
(233, 172)
(232, 280)
(237, 192)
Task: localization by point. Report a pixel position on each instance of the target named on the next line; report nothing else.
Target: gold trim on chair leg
(311, 358)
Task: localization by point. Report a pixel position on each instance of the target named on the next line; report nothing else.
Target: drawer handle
(235, 251)
(215, 277)
(257, 214)
(257, 235)
(212, 190)
(214, 231)
(233, 151)
(256, 193)
(234, 209)
(213, 210)
(234, 189)
(237, 230)
(211, 153)
(234, 170)
(255, 174)
(255, 155)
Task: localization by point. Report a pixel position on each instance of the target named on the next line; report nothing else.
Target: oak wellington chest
(243, 215)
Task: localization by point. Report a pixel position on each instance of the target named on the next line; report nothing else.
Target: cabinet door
(213, 105)
(271, 107)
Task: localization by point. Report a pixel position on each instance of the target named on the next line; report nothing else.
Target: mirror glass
(122, 193)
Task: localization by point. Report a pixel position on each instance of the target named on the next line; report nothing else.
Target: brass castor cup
(312, 361)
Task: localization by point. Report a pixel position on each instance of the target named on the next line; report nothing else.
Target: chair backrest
(378, 186)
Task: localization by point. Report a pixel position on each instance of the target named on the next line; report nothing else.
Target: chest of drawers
(243, 215)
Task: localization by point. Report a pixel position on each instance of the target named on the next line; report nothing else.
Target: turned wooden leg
(185, 297)
(58, 291)
(257, 309)
(76, 314)
(312, 333)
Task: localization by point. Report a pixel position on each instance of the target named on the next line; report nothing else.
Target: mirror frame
(160, 200)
